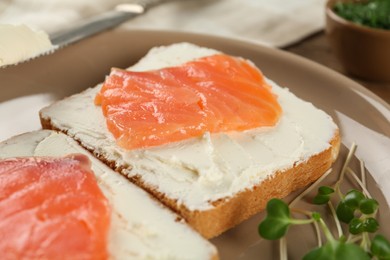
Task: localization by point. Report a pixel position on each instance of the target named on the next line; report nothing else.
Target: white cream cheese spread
(140, 227)
(19, 43)
(201, 170)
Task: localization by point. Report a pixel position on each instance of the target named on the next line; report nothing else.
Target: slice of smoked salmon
(52, 208)
(217, 93)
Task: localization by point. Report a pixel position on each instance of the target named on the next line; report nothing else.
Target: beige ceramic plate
(362, 116)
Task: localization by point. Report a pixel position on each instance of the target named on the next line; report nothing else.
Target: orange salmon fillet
(52, 208)
(217, 93)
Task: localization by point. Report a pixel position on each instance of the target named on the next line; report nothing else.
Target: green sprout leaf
(321, 199)
(323, 195)
(344, 212)
(370, 225)
(368, 206)
(336, 250)
(277, 221)
(356, 226)
(352, 198)
(325, 190)
(380, 247)
(346, 208)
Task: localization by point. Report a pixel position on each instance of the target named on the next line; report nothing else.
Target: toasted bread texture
(217, 180)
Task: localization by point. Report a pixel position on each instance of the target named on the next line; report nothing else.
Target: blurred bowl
(363, 51)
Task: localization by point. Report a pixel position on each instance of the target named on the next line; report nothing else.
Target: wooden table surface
(316, 48)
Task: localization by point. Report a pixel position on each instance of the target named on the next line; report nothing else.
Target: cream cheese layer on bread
(200, 171)
(141, 228)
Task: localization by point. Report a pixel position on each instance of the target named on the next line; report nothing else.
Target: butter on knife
(20, 42)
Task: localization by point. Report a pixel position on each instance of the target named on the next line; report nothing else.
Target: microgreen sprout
(323, 195)
(278, 220)
(356, 209)
(380, 247)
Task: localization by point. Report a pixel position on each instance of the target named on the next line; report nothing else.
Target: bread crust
(229, 212)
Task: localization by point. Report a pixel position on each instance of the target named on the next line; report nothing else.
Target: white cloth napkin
(276, 23)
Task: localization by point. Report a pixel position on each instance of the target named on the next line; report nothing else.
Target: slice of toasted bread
(215, 181)
(141, 228)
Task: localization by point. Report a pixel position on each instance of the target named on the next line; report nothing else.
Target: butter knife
(93, 25)
(102, 22)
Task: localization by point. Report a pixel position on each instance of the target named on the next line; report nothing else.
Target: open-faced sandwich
(59, 202)
(205, 133)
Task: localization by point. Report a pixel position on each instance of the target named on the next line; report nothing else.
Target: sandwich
(205, 133)
(59, 202)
